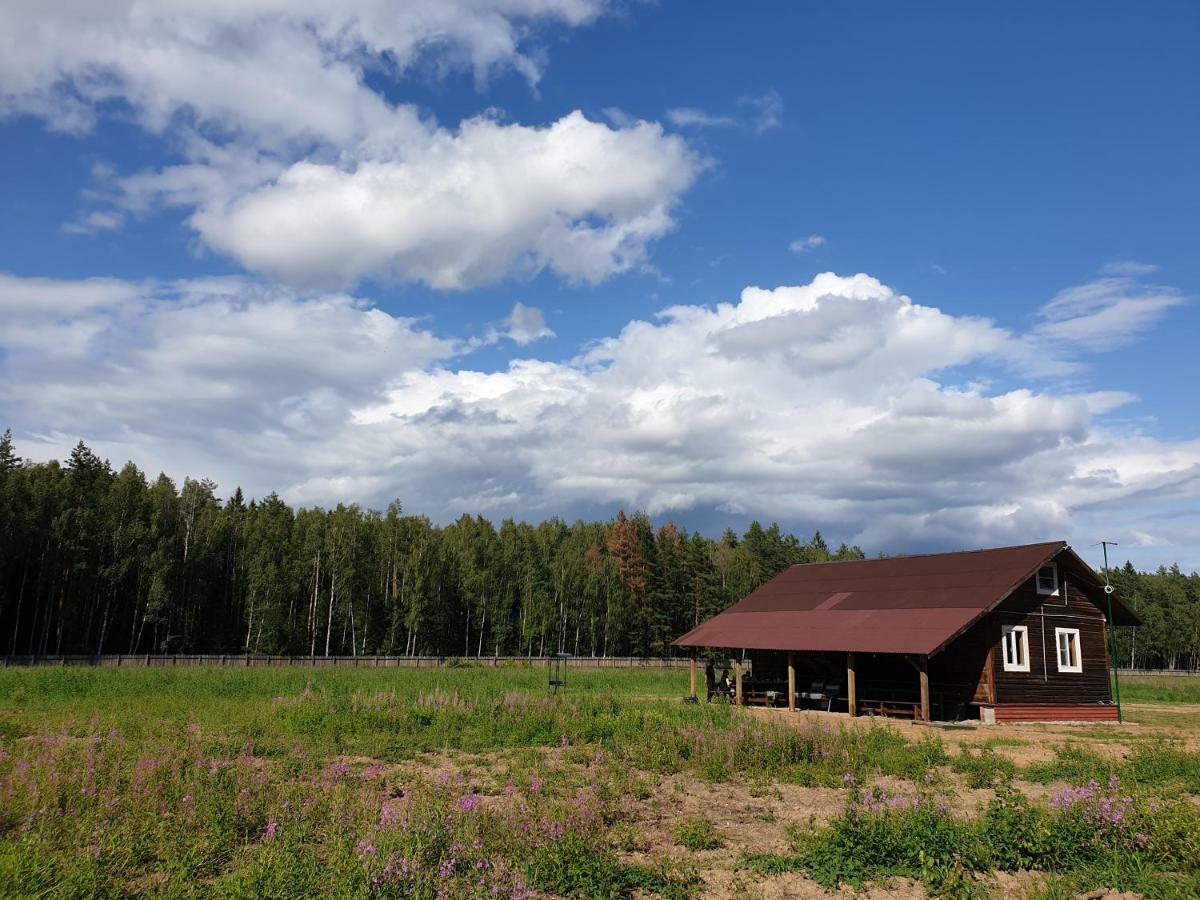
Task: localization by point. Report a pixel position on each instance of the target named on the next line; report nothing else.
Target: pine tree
(8, 457)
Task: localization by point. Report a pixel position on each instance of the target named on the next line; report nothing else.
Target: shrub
(1092, 835)
(1071, 763)
(697, 834)
(983, 769)
(882, 834)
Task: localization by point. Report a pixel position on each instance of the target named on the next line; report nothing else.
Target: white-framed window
(1014, 642)
(1047, 580)
(1070, 659)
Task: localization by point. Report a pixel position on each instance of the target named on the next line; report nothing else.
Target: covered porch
(892, 685)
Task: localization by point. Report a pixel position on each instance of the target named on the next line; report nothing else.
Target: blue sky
(976, 161)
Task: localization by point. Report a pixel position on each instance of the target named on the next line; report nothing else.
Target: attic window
(1047, 580)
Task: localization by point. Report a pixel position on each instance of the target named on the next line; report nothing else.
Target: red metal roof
(903, 604)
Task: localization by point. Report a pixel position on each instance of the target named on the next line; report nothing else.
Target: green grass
(305, 782)
(1175, 689)
(983, 768)
(394, 715)
(247, 782)
(1152, 763)
(1094, 836)
(697, 834)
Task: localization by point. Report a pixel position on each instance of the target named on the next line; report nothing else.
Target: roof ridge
(926, 555)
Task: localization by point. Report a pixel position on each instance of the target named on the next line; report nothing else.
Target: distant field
(1161, 688)
(468, 782)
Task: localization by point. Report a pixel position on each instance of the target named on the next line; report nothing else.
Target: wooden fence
(152, 660)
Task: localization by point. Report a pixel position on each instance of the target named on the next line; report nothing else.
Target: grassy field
(1161, 689)
(476, 782)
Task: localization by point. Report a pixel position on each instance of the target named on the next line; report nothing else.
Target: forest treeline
(95, 560)
(1168, 602)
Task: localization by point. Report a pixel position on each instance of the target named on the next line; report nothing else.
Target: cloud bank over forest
(838, 402)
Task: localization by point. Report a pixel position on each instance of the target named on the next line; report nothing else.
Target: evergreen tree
(93, 561)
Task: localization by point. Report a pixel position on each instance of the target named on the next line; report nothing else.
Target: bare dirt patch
(1027, 744)
(720, 884)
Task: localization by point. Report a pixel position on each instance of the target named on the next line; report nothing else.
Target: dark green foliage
(573, 868)
(94, 561)
(1168, 602)
(1092, 836)
(922, 843)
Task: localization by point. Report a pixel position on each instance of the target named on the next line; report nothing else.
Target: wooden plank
(851, 687)
(924, 690)
(693, 672)
(791, 682)
(1026, 712)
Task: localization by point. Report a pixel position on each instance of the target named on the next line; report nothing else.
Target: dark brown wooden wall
(960, 667)
(1043, 683)
(969, 659)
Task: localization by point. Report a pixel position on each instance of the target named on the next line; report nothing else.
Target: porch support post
(737, 682)
(851, 687)
(693, 673)
(791, 682)
(924, 670)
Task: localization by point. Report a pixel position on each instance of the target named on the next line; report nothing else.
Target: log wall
(1041, 614)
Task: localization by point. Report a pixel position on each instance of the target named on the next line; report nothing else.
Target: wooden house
(1013, 634)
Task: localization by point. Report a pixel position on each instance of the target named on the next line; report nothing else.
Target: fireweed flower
(388, 815)
(468, 802)
(271, 831)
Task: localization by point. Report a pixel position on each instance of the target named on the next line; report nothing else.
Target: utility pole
(1112, 629)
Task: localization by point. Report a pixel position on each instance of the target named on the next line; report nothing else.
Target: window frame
(1058, 650)
(1037, 580)
(1022, 631)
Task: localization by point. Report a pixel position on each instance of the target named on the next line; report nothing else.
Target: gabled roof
(903, 604)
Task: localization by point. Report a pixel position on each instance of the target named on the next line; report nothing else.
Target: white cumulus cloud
(275, 70)
(297, 164)
(839, 404)
(461, 209)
